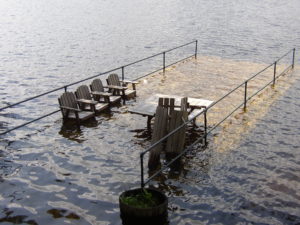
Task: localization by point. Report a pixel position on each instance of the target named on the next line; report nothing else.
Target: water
(60, 175)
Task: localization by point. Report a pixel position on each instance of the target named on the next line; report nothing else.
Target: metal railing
(204, 113)
(122, 70)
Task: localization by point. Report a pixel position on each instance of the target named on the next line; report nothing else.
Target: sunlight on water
(79, 173)
(211, 78)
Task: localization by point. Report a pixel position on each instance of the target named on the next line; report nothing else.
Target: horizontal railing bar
(169, 50)
(24, 124)
(147, 74)
(250, 97)
(285, 71)
(181, 60)
(181, 46)
(162, 139)
(218, 124)
(174, 159)
(214, 103)
(88, 78)
(285, 55)
(168, 135)
(237, 87)
(215, 126)
(162, 68)
(263, 70)
(226, 95)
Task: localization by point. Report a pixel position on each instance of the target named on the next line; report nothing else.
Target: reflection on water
(64, 175)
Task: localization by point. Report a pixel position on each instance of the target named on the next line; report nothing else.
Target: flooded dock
(79, 174)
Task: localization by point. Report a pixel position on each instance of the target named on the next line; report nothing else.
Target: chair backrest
(68, 99)
(97, 85)
(184, 104)
(168, 103)
(113, 79)
(83, 92)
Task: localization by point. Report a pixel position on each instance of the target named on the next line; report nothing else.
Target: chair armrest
(116, 87)
(86, 101)
(129, 82)
(101, 93)
(69, 108)
(133, 83)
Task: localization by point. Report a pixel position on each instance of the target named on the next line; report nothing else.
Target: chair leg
(77, 119)
(149, 118)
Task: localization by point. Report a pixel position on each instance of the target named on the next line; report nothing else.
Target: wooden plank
(159, 131)
(175, 142)
(70, 108)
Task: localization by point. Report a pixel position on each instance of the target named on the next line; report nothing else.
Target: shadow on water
(73, 131)
(79, 172)
(16, 219)
(182, 167)
(61, 213)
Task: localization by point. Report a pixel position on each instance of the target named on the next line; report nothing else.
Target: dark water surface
(55, 174)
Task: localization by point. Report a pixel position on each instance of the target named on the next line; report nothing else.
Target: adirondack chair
(70, 109)
(99, 93)
(85, 101)
(113, 82)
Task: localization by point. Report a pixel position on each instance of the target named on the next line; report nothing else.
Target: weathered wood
(70, 109)
(168, 103)
(166, 120)
(175, 143)
(148, 107)
(99, 93)
(159, 131)
(85, 100)
(113, 80)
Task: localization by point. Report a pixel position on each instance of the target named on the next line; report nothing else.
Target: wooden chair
(119, 87)
(85, 101)
(99, 93)
(70, 109)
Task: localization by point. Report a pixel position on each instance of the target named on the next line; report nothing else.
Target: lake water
(52, 174)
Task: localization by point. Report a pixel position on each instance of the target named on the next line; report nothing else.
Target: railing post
(293, 58)
(123, 74)
(205, 126)
(274, 77)
(142, 170)
(245, 96)
(196, 49)
(164, 61)
(65, 87)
